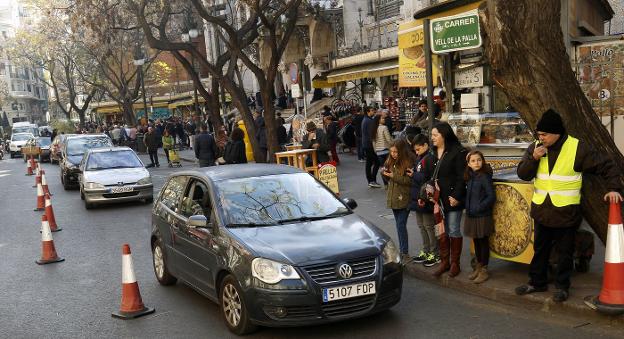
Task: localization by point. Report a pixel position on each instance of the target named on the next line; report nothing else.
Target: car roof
(109, 149)
(238, 171)
(23, 133)
(79, 136)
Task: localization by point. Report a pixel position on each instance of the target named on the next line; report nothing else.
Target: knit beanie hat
(551, 122)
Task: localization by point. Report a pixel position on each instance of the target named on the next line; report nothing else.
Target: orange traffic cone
(131, 303)
(29, 170)
(49, 214)
(44, 184)
(37, 176)
(48, 252)
(40, 198)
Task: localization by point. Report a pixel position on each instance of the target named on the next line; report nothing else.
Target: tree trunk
(128, 112)
(266, 91)
(523, 41)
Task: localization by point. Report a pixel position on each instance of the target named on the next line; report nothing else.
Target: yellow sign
(412, 67)
(513, 236)
(329, 176)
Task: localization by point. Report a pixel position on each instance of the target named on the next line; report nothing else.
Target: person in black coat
(205, 148)
(316, 139)
(451, 156)
(235, 152)
(261, 136)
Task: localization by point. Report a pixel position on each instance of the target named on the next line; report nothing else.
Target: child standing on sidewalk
(480, 200)
(423, 208)
(399, 185)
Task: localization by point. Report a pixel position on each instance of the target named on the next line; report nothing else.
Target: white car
(17, 142)
(113, 174)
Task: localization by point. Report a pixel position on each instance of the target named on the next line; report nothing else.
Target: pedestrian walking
(382, 141)
(357, 124)
(399, 187)
(167, 142)
(152, 142)
(372, 161)
(557, 162)
(235, 152)
(421, 173)
(450, 158)
(480, 199)
(205, 148)
(315, 139)
(331, 130)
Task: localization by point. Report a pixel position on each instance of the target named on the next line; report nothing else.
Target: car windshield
(44, 141)
(276, 199)
(79, 145)
(21, 137)
(108, 160)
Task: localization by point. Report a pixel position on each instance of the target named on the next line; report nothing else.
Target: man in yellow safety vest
(557, 162)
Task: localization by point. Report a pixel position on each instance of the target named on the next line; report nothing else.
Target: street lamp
(139, 61)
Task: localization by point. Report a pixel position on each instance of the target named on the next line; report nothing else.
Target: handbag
(428, 189)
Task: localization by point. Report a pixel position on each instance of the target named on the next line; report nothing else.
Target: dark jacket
(282, 136)
(205, 149)
(367, 133)
(480, 195)
(423, 171)
(357, 123)
(451, 177)
(332, 132)
(235, 152)
(261, 132)
(151, 141)
(586, 161)
(321, 139)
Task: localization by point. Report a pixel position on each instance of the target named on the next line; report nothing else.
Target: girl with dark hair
(235, 152)
(480, 198)
(450, 157)
(399, 185)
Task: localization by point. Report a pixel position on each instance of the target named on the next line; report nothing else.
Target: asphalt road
(74, 299)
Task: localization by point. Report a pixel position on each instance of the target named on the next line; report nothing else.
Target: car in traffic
(44, 147)
(73, 151)
(272, 246)
(57, 147)
(18, 140)
(113, 175)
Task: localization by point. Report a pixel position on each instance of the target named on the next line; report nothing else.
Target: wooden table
(297, 158)
(293, 147)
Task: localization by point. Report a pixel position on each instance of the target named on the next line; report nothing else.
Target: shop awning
(108, 109)
(320, 81)
(374, 70)
(186, 102)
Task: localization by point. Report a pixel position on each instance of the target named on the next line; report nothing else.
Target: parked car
(114, 175)
(17, 142)
(44, 144)
(72, 153)
(273, 246)
(57, 147)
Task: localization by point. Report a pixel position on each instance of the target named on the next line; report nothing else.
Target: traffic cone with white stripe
(37, 176)
(611, 298)
(40, 199)
(44, 184)
(49, 214)
(48, 252)
(131, 303)
(29, 169)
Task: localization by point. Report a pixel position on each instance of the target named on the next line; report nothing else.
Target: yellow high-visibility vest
(563, 184)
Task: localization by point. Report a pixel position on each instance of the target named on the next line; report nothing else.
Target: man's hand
(311, 136)
(453, 202)
(613, 197)
(539, 152)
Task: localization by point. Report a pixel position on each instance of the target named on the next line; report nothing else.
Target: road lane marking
(4, 175)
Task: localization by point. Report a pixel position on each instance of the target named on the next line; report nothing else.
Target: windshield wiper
(305, 218)
(113, 167)
(249, 224)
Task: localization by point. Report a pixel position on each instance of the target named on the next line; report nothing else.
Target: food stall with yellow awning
(372, 70)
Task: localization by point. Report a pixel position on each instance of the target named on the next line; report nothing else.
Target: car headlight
(145, 181)
(390, 253)
(272, 272)
(92, 185)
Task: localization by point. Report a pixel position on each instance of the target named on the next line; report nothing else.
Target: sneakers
(527, 289)
(420, 258)
(432, 260)
(361, 160)
(561, 296)
(374, 185)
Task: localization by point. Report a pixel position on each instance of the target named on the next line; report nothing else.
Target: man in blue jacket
(372, 161)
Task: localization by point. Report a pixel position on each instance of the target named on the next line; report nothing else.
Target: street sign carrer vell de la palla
(455, 33)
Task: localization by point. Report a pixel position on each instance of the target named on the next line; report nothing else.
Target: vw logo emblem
(344, 271)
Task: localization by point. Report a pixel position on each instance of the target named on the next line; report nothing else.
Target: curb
(537, 302)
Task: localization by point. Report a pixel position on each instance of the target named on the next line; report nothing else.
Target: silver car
(113, 174)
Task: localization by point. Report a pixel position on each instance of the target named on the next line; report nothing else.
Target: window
(196, 200)
(173, 191)
(116, 159)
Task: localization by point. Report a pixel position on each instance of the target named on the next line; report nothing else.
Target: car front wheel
(233, 307)
(163, 275)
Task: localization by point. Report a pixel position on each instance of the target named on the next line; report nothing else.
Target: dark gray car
(273, 246)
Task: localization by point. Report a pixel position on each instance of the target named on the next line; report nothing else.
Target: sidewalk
(505, 275)
(187, 155)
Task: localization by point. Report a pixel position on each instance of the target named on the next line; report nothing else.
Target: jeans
(382, 160)
(167, 154)
(153, 154)
(360, 151)
(400, 217)
(372, 165)
(426, 223)
(334, 153)
(545, 238)
(452, 223)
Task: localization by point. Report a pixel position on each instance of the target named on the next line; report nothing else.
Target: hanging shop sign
(456, 33)
(469, 78)
(412, 67)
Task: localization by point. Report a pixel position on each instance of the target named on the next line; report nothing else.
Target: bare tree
(524, 45)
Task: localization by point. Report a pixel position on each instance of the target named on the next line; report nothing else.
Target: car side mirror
(198, 221)
(350, 203)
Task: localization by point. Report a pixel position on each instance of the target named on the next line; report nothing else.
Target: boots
(475, 273)
(444, 245)
(483, 275)
(456, 249)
